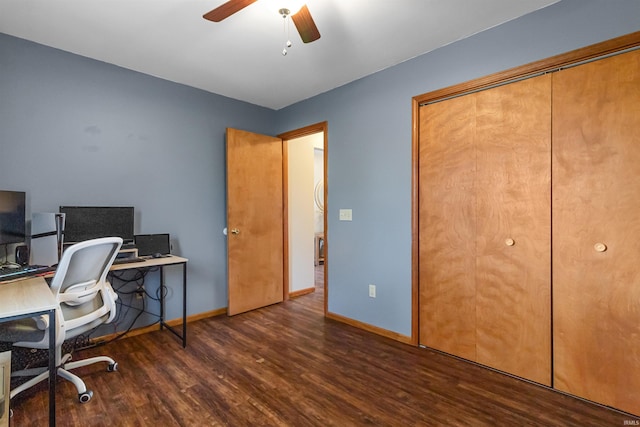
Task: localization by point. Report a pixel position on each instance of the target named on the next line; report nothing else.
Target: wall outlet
(140, 292)
(372, 291)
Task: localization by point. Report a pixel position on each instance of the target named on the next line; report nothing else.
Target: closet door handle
(509, 242)
(600, 247)
(235, 231)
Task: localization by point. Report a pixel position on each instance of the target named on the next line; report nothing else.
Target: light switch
(345, 214)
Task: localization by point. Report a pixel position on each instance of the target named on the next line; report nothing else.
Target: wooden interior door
(596, 231)
(254, 221)
(447, 226)
(513, 264)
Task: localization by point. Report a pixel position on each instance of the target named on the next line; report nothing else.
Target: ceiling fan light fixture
(284, 12)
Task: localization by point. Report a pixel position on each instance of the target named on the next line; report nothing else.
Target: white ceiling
(241, 57)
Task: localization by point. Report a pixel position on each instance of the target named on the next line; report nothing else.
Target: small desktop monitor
(12, 217)
(152, 244)
(91, 222)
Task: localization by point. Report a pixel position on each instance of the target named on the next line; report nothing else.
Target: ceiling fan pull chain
(285, 29)
(289, 44)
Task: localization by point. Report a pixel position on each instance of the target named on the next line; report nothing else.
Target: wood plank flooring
(286, 365)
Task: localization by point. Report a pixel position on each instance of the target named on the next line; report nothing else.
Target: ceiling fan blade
(227, 9)
(305, 25)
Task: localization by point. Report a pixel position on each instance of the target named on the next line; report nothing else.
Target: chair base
(41, 374)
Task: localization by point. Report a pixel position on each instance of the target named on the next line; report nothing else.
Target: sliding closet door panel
(596, 231)
(447, 226)
(513, 298)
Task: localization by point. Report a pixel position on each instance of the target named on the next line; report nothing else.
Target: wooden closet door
(596, 231)
(513, 269)
(447, 227)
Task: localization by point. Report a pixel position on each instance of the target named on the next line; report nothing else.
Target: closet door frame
(554, 63)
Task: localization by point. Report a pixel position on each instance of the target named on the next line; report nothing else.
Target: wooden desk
(27, 298)
(162, 263)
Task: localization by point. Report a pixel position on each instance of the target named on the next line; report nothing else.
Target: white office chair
(85, 301)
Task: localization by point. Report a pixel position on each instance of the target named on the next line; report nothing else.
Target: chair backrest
(85, 262)
(80, 282)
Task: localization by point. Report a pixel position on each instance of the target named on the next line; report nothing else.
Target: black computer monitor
(91, 222)
(152, 244)
(12, 217)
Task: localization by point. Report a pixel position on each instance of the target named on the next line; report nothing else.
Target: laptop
(152, 245)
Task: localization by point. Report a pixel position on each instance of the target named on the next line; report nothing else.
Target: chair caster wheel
(112, 367)
(85, 397)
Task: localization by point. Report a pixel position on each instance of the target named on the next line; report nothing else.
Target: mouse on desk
(157, 255)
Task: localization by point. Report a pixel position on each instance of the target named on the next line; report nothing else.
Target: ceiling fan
(302, 19)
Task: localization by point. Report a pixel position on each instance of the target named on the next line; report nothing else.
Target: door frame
(287, 136)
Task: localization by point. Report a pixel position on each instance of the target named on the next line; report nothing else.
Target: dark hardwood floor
(286, 365)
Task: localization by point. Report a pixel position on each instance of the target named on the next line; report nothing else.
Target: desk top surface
(25, 296)
(32, 295)
(150, 262)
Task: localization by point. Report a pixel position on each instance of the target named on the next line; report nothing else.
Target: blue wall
(78, 131)
(75, 131)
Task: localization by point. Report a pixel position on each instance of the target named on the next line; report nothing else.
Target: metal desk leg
(184, 305)
(163, 325)
(161, 297)
(52, 368)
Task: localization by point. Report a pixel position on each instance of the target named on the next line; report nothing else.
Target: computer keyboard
(128, 260)
(23, 271)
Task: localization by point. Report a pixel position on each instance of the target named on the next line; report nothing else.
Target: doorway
(305, 192)
(258, 219)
